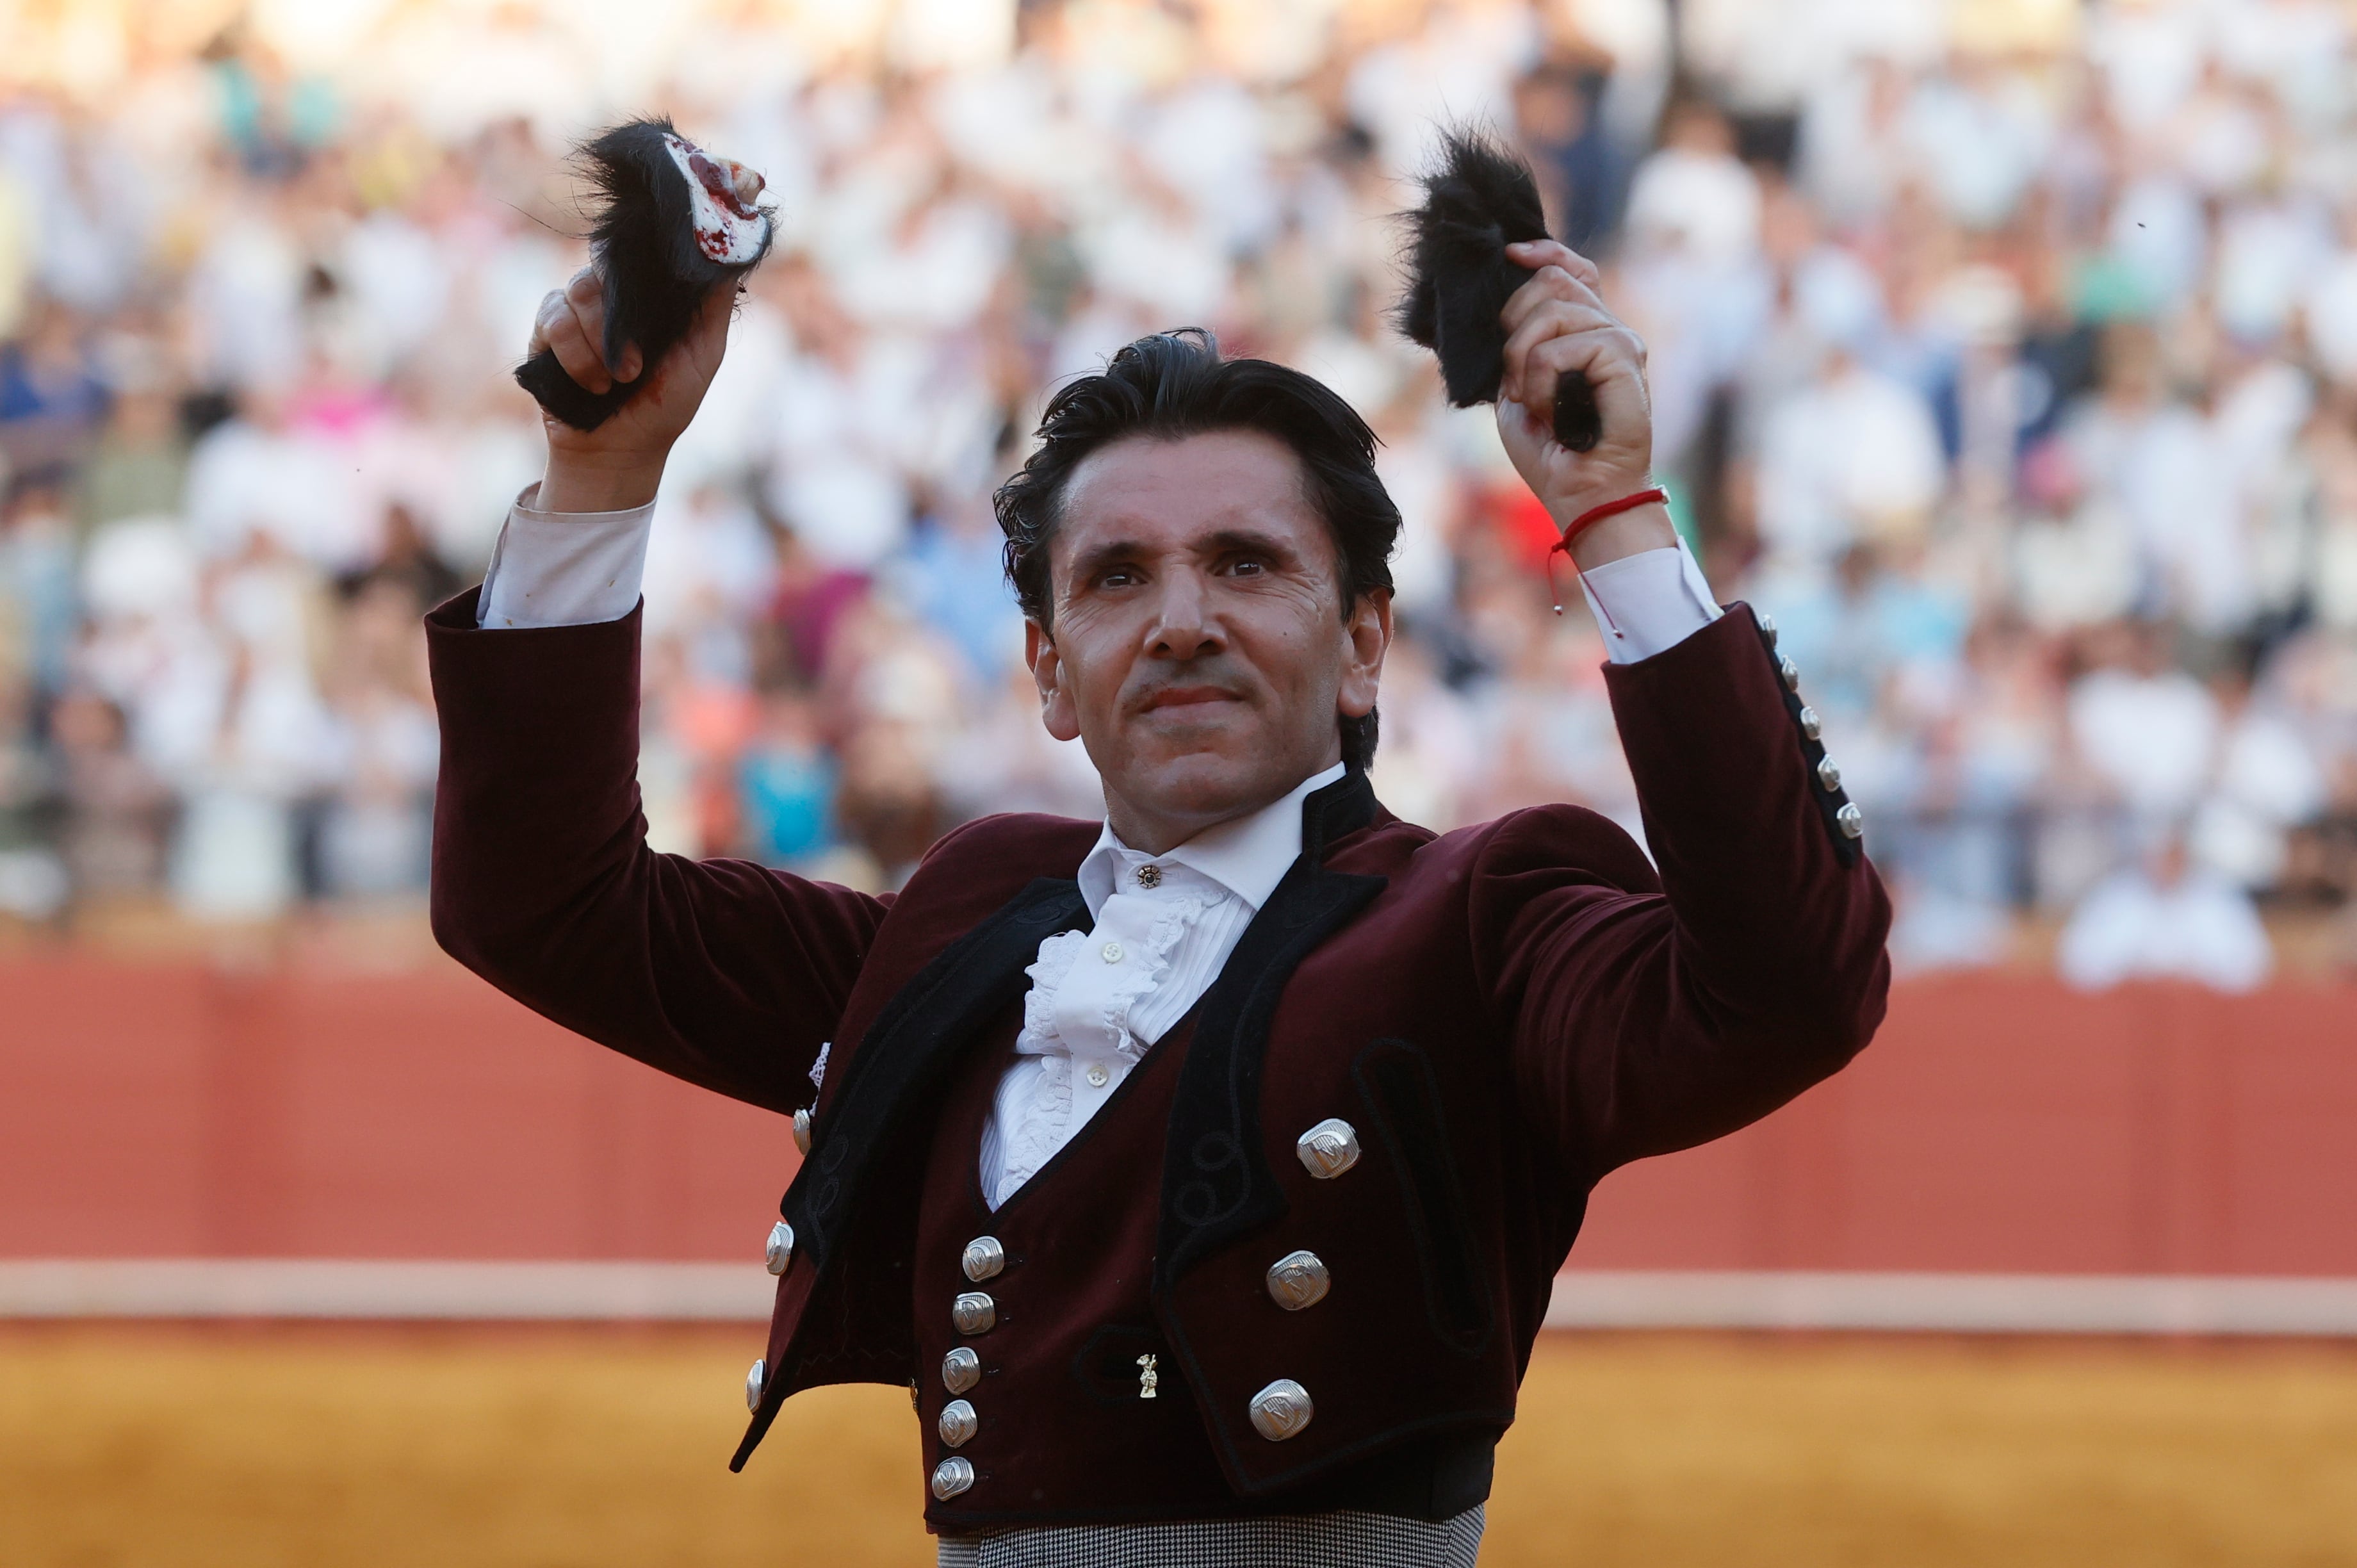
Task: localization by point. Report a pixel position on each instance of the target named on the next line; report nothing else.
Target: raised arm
(1649, 1014)
(721, 972)
(1654, 1011)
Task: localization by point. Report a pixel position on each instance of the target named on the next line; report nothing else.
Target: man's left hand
(1557, 326)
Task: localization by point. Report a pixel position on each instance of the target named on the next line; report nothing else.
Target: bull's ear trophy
(669, 222)
(1479, 200)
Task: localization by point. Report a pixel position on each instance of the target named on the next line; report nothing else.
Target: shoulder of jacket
(1027, 844)
(1580, 844)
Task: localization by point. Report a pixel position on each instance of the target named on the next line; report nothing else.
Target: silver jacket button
(974, 1313)
(802, 1129)
(1281, 1409)
(984, 1258)
(1829, 773)
(754, 1378)
(952, 1475)
(1328, 1149)
(961, 1369)
(958, 1422)
(780, 1250)
(1299, 1280)
(1790, 672)
(1811, 725)
(1852, 821)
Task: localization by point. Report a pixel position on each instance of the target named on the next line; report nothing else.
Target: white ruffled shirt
(1100, 997)
(1098, 1000)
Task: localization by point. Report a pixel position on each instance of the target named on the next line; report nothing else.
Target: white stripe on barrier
(1959, 1304)
(1967, 1304)
(317, 1287)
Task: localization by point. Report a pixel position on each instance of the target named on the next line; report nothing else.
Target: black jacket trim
(914, 1038)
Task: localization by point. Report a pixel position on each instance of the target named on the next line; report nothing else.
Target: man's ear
(1056, 709)
(1368, 630)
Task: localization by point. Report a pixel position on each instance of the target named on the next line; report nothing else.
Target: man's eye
(1247, 566)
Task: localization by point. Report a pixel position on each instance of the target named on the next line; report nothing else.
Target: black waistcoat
(1063, 1433)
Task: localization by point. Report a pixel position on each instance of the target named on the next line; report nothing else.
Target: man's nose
(1184, 624)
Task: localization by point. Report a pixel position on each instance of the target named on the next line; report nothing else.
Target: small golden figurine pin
(1146, 1378)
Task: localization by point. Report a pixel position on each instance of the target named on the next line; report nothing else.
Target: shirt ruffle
(1057, 955)
(1037, 1119)
(1162, 937)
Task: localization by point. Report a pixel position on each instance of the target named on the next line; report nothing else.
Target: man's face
(1198, 645)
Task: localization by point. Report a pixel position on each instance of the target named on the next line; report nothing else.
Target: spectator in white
(1697, 290)
(2148, 730)
(2269, 251)
(1979, 134)
(260, 471)
(1816, 293)
(240, 731)
(1694, 195)
(244, 296)
(2174, 480)
(2150, 56)
(1459, 66)
(2294, 47)
(2160, 235)
(2329, 308)
(1853, 458)
(2269, 783)
(2260, 410)
(2163, 919)
(1851, 152)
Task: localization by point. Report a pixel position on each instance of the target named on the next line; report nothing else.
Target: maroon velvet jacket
(1504, 1014)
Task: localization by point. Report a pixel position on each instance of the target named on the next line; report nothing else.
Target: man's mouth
(1187, 696)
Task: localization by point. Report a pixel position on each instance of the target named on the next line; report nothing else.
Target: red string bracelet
(1581, 524)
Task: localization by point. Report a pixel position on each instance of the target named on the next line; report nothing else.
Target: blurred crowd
(2007, 353)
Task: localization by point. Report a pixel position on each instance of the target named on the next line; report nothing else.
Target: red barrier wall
(1996, 1124)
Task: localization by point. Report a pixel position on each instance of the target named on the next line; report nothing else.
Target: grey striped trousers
(1295, 1541)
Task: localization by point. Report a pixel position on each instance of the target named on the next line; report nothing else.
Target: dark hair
(1176, 384)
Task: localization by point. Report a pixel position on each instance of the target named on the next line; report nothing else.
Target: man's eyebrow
(1251, 538)
(1114, 551)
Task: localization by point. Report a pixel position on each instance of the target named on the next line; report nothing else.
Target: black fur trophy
(1480, 199)
(672, 222)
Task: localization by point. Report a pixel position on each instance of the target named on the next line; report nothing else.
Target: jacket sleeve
(721, 971)
(1651, 1012)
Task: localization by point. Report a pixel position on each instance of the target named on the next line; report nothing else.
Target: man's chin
(1208, 781)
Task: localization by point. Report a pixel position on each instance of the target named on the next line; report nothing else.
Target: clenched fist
(1557, 326)
(617, 466)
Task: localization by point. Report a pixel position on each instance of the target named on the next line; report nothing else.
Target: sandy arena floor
(483, 1448)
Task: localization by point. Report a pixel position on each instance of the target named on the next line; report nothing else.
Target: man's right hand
(617, 466)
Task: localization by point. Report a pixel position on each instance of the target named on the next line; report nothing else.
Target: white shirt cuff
(556, 568)
(1648, 602)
